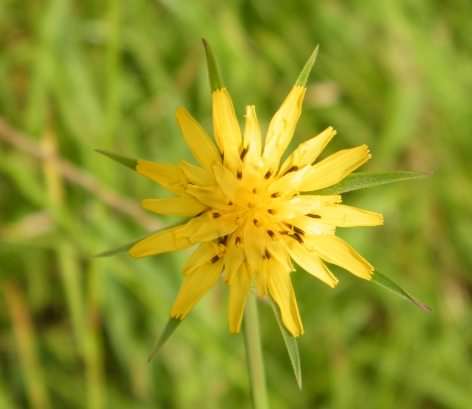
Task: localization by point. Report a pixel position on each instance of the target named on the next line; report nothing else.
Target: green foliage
(392, 74)
(391, 285)
(364, 180)
(290, 344)
(169, 329)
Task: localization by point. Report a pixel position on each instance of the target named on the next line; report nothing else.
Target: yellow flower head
(252, 215)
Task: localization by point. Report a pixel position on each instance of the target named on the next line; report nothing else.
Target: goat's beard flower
(251, 214)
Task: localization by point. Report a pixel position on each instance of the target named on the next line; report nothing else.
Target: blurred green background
(75, 331)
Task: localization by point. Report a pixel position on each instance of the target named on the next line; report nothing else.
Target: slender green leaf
(128, 162)
(291, 345)
(363, 180)
(388, 283)
(213, 73)
(305, 73)
(169, 329)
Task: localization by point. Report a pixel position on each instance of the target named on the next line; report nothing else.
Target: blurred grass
(75, 332)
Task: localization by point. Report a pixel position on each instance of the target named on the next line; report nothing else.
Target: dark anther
(230, 203)
(271, 234)
(214, 259)
(215, 215)
(199, 214)
(298, 238)
(285, 232)
(291, 169)
(298, 230)
(243, 153)
(254, 190)
(267, 255)
(276, 194)
(222, 154)
(239, 174)
(270, 211)
(268, 174)
(223, 240)
(314, 216)
(256, 222)
(237, 241)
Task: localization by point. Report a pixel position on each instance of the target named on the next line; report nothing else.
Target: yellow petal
(252, 138)
(307, 152)
(336, 251)
(234, 257)
(282, 127)
(312, 226)
(303, 204)
(209, 226)
(194, 287)
(254, 242)
(226, 126)
(168, 176)
(238, 291)
(204, 253)
(310, 262)
(178, 206)
(348, 216)
(290, 183)
(281, 291)
(196, 175)
(202, 147)
(335, 168)
(227, 181)
(211, 196)
(161, 242)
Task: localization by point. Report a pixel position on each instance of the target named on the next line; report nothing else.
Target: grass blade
(169, 329)
(389, 284)
(291, 344)
(363, 180)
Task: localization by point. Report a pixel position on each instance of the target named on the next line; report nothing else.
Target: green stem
(255, 362)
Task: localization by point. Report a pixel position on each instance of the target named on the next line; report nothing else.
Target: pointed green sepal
(363, 180)
(291, 345)
(118, 250)
(303, 77)
(128, 162)
(169, 329)
(386, 282)
(213, 73)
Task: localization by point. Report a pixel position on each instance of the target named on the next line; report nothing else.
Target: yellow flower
(251, 214)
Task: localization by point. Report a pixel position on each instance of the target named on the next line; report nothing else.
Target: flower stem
(255, 362)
